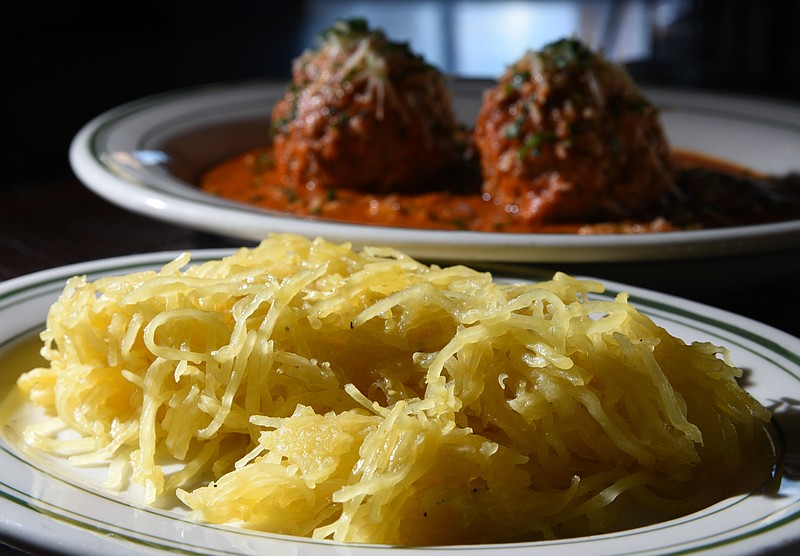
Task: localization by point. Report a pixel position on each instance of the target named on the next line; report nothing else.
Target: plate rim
(195, 209)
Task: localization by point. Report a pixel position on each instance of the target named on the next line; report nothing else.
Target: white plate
(46, 505)
(144, 156)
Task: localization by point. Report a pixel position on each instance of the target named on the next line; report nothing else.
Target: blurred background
(66, 62)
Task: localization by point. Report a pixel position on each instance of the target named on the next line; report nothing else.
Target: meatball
(566, 135)
(364, 113)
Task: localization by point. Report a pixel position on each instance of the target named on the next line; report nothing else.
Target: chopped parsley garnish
(290, 194)
(564, 53)
(534, 141)
(345, 29)
(513, 129)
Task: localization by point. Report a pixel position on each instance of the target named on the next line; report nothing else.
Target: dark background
(66, 62)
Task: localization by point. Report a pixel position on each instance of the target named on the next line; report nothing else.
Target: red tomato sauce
(711, 194)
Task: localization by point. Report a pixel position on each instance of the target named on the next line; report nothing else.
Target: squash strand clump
(305, 388)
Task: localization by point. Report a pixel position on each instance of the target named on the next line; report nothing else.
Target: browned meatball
(566, 135)
(365, 113)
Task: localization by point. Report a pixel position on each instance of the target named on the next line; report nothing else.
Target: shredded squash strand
(305, 388)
